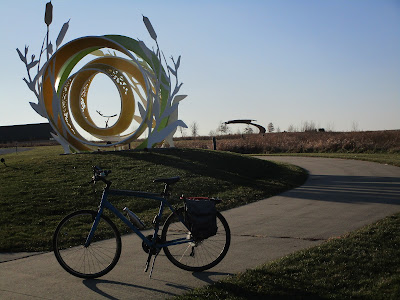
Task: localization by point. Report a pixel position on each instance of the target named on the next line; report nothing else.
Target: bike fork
(94, 227)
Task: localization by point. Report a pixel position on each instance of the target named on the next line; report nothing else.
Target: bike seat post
(166, 191)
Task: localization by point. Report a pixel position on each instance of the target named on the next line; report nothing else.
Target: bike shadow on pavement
(94, 285)
(349, 189)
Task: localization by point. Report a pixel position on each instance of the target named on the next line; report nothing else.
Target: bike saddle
(170, 180)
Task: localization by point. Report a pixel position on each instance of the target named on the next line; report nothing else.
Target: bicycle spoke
(187, 248)
(196, 255)
(87, 262)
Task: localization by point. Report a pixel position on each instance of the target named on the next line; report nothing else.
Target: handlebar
(99, 172)
(100, 175)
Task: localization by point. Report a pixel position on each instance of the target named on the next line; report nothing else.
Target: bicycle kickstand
(148, 262)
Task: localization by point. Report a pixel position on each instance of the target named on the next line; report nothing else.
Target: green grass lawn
(361, 265)
(40, 186)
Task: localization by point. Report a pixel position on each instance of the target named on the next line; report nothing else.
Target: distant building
(28, 132)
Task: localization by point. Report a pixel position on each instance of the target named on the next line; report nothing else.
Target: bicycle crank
(147, 249)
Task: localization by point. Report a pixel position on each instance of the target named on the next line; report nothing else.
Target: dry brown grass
(284, 142)
(302, 142)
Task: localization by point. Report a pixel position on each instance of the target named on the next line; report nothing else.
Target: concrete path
(13, 150)
(339, 196)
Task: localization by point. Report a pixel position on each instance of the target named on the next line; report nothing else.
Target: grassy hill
(40, 186)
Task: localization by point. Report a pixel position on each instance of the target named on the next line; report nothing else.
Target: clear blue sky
(335, 63)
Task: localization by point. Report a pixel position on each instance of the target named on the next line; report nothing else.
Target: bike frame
(104, 203)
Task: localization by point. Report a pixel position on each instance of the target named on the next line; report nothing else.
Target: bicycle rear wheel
(86, 262)
(195, 256)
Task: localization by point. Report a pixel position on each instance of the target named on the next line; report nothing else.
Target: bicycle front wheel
(69, 245)
(195, 256)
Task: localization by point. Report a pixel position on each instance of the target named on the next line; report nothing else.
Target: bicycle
(87, 243)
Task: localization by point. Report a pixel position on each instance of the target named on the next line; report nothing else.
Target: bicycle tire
(195, 256)
(99, 257)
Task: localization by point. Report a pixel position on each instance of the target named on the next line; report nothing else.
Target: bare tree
(248, 130)
(195, 129)
(354, 126)
(291, 128)
(223, 128)
(308, 126)
(330, 127)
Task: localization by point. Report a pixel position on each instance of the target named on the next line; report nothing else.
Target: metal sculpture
(249, 122)
(62, 97)
(107, 117)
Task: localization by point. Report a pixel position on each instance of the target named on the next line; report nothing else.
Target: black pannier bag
(201, 217)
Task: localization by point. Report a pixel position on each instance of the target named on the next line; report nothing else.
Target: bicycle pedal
(152, 265)
(146, 268)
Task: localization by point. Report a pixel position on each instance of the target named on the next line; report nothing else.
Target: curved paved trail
(13, 150)
(339, 196)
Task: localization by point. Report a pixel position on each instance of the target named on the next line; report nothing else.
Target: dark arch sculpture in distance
(249, 122)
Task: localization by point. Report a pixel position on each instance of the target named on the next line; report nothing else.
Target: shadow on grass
(273, 287)
(233, 169)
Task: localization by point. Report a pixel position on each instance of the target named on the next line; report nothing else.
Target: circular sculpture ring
(76, 86)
